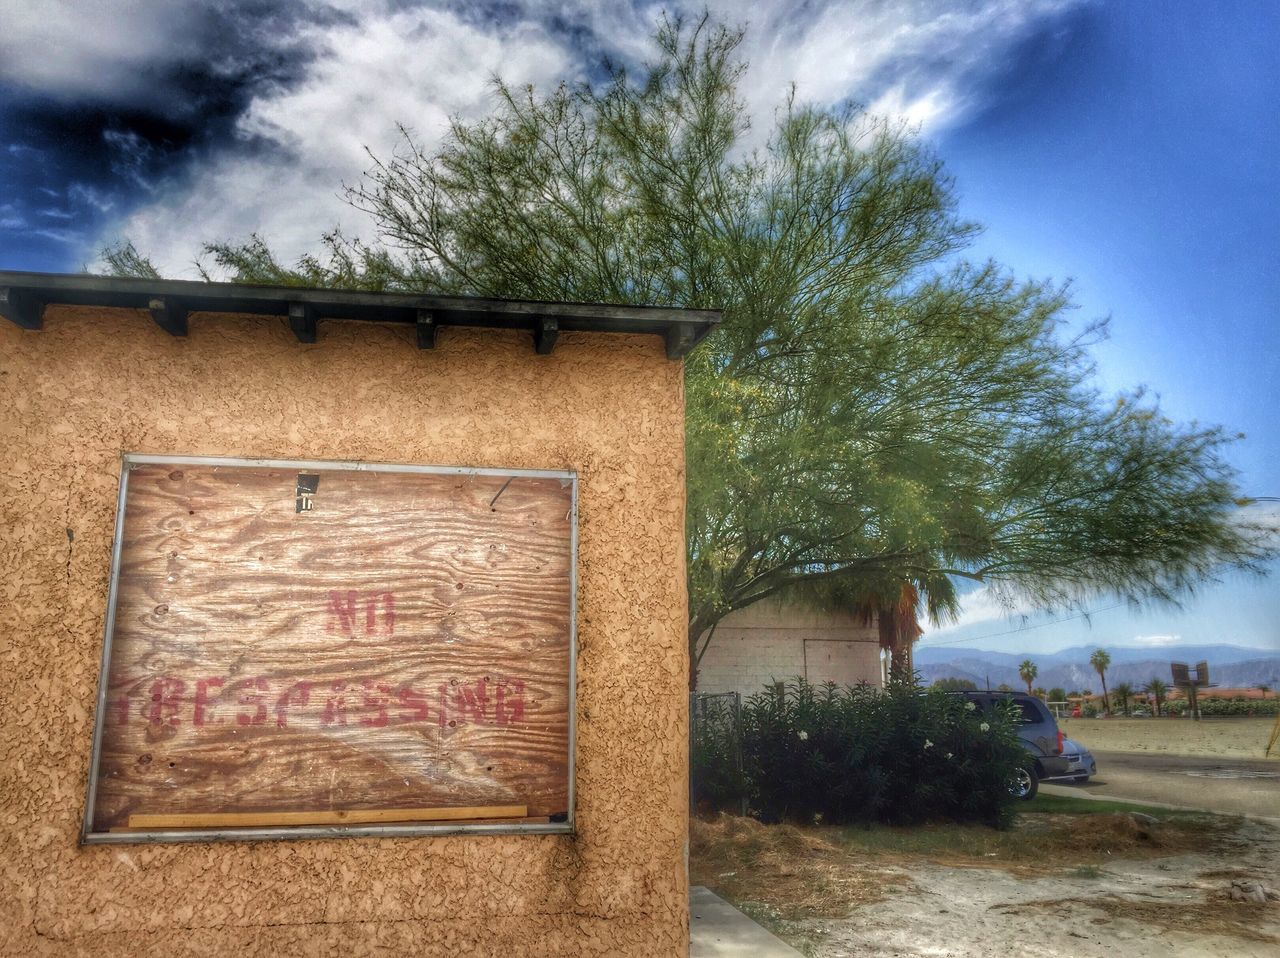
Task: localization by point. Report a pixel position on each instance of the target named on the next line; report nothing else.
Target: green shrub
(715, 756)
(1227, 707)
(859, 754)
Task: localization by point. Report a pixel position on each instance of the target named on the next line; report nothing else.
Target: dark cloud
(75, 154)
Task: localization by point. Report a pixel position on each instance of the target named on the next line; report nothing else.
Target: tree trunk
(700, 623)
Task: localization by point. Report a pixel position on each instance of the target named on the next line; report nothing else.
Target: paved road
(1230, 786)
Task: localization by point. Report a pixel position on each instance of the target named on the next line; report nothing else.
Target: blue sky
(1136, 150)
(1132, 147)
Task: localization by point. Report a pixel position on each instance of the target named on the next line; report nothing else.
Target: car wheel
(1025, 784)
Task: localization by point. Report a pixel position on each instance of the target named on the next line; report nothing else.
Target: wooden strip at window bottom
(361, 816)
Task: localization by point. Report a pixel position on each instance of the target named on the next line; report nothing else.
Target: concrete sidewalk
(718, 930)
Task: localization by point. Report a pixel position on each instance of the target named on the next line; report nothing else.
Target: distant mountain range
(1231, 666)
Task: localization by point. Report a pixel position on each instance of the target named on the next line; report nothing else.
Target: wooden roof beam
(302, 320)
(169, 315)
(545, 334)
(680, 339)
(21, 308)
(426, 329)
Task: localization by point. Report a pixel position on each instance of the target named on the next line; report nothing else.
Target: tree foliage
(1159, 691)
(1027, 671)
(953, 684)
(1123, 692)
(876, 416)
(1101, 661)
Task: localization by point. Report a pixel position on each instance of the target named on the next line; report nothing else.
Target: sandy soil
(1226, 737)
(1154, 908)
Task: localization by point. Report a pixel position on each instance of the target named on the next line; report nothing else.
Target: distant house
(775, 641)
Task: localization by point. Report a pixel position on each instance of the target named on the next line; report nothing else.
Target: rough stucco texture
(96, 383)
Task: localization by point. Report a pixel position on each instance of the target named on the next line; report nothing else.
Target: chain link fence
(716, 778)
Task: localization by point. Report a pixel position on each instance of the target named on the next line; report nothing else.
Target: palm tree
(1100, 660)
(1264, 689)
(1123, 692)
(1157, 690)
(1028, 672)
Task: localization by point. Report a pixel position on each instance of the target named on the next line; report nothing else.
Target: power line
(1026, 628)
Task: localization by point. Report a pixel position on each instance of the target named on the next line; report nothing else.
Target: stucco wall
(774, 641)
(93, 384)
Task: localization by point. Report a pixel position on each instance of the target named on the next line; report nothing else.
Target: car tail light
(1059, 741)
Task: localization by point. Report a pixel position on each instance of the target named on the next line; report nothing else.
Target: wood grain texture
(376, 816)
(402, 642)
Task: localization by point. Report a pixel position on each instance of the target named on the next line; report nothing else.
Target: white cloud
(915, 59)
(74, 48)
(919, 60)
(983, 605)
(416, 67)
(1155, 640)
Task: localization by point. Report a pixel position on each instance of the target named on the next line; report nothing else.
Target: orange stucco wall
(96, 383)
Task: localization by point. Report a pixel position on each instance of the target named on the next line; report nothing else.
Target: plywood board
(322, 639)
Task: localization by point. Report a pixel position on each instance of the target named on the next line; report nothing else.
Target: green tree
(1158, 691)
(1027, 671)
(1100, 661)
(1123, 692)
(1264, 689)
(955, 685)
(1057, 694)
(876, 417)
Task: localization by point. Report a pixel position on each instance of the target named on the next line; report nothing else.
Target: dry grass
(1041, 843)
(1244, 738)
(802, 873)
(823, 872)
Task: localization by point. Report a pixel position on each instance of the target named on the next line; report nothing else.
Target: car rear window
(1030, 714)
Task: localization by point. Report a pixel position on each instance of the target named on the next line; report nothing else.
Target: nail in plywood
(401, 643)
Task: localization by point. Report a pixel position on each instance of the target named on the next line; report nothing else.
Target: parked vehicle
(1080, 762)
(1040, 736)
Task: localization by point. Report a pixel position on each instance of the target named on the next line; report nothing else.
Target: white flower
(969, 706)
(948, 755)
(985, 727)
(804, 736)
(928, 744)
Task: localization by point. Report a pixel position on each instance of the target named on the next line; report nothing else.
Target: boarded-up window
(297, 646)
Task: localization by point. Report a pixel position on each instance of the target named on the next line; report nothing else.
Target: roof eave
(23, 297)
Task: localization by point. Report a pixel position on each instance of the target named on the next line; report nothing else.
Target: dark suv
(1039, 734)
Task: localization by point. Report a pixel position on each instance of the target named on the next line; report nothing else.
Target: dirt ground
(1222, 737)
(1154, 908)
(1087, 885)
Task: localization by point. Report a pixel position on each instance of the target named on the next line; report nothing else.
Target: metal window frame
(131, 460)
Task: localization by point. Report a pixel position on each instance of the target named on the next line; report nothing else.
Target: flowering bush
(859, 754)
